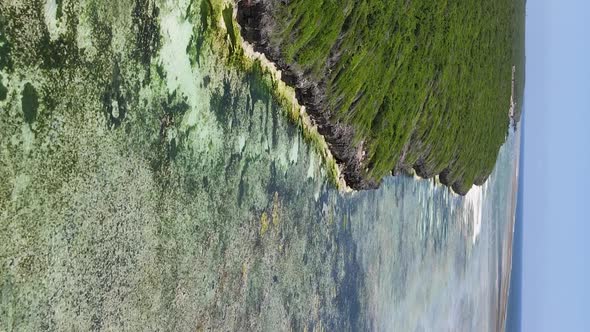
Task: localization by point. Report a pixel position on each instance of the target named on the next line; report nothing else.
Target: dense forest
(423, 85)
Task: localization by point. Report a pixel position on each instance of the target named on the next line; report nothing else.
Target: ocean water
(514, 309)
(194, 203)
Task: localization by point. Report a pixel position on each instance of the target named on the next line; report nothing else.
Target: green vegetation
(425, 84)
(518, 53)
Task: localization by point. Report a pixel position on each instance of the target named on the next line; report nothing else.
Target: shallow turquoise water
(175, 195)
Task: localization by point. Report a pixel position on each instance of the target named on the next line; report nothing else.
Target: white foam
(474, 207)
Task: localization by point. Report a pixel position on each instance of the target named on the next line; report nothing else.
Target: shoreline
(244, 55)
(251, 18)
(292, 86)
(288, 93)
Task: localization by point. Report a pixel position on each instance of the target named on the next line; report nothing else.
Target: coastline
(252, 18)
(298, 112)
(256, 23)
(243, 55)
(343, 161)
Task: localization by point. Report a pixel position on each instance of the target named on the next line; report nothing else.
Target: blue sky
(556, 244)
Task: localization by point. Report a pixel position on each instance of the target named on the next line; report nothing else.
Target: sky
(556, 236)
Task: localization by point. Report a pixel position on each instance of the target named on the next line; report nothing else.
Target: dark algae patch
(145, 19)
(114, 98)
(5, 61)
(228, 20)
(3, 91)
(59, 10)
(30, 103)
(205, 11)
(396, 85)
